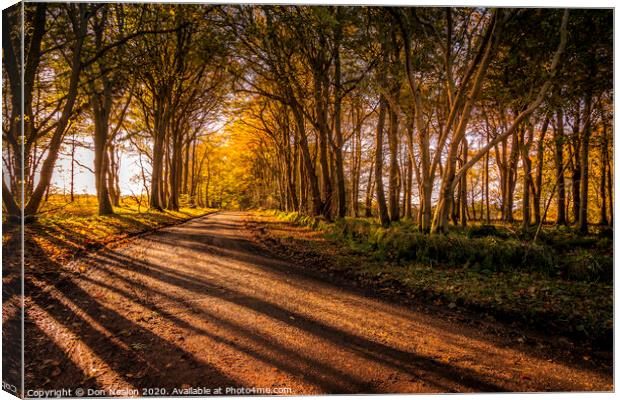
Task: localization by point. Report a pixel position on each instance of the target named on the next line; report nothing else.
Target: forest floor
(217, 303)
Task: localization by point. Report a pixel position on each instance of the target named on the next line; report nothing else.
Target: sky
(84, 180)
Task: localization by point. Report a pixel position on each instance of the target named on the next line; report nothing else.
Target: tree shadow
(12, 340)
(345, 279)
(226, 242)
(137, 356)
(335, 382)
(443, 374)
(144, 355)
(56, 370)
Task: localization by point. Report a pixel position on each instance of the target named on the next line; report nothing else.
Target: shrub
(405, 244)
(587, 266)
(483, 231)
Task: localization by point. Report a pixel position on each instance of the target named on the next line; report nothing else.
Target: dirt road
(200, 305)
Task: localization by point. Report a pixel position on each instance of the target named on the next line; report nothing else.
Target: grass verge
(62, 233)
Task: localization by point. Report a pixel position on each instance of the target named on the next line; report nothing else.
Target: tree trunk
(323, 135)
(540, 157)
(113, 185)
(393, 191)
(383, 210)
(315, 193)
(337, 148)
(369, 192)
(558, 140)
(174, 173)
(463, 185)
(72, 193)
(207, 184)
(604, 171)
(357, 164)
(186, 174)
(585, 154)
(511, 179)
(101, 118)
(157, 172)
(302, 179)
(194, 174)
(524, 144)
(576, 164)
(408, 186)
(8, 199)
(610, 189)
(486, 186)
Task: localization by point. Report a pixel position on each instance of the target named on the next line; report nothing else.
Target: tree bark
(157, 171)
(604, 171)
(540, 158)
(337, 148)
(186, 173)
(610, 189)
(585, 154)
(463, 184)
(408, 186)
(558, 139)
(72, 192)
(101, 104)
(576, 162)
(524, 144)
(383, 210)
(369, 192)
(486, 186)
(394, 187)
(511, 179)
(323, 135)
(315, 193)
(113, 184)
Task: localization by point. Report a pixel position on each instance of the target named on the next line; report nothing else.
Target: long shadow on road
(200, 305)
(61, 310)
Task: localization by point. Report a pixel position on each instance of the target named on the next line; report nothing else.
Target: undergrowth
(557, 252)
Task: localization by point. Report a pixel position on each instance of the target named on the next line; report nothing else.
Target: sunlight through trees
(438, 115)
